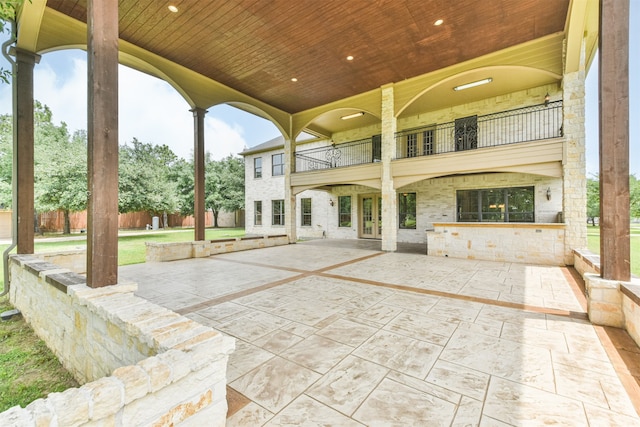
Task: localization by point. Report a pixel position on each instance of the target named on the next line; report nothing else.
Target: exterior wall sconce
(546, 99)
(331, 202)
(548, 193)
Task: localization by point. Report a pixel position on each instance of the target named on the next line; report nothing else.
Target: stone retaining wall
(533, 243)
(609, 302)
(161, 252)
(140, 364)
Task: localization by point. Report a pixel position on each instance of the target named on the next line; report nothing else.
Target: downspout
(14, 180)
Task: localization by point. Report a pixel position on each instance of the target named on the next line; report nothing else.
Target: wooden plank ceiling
(258, 46)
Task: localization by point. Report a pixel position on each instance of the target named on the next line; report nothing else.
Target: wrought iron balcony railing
(338, 155)
(533, 123)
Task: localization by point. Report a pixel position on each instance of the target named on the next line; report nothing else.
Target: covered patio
(341, 333)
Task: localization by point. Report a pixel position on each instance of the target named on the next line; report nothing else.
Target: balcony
(526, 140)
(527, 124)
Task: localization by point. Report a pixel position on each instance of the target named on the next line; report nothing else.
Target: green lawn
(593, 236)
(131, 248)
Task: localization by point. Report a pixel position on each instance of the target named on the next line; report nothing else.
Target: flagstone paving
(339, 333)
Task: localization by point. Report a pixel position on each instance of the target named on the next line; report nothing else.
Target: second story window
(257, 167)
(277, 164)
(466, 133)
(412, 145)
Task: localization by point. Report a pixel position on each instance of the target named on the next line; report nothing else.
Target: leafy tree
(6, 160)
(7, 14)
(593, 199)
(182, 175)
(634, 196)
(145, 184)
(224, 185)
(60, 169)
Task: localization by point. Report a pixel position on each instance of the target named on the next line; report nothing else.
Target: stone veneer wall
(505, 242)
(609, 302)
(160, 252)
(164, 369)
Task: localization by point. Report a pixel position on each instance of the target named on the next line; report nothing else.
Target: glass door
(371, 216)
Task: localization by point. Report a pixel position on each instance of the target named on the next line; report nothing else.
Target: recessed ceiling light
(349, 58)
(293, 79)
(353, 116)
(438, 22)
(473, 84)
(173, 8)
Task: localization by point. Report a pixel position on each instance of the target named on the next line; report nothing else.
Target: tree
(593, 199)
(182, 174)
(634, 196)
(224, 185)
(8, 10)
(6, 160)
(145, 184)
(61, 170)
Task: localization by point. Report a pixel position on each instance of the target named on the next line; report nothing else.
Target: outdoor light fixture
(352, 116)
(350, 58)
(548, 193)
(331, 202)
(546, 99)
(473, 84)
(438, 22)
(172, 8)
(293, 79)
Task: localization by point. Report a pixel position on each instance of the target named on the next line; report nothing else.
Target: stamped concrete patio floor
(339, 333)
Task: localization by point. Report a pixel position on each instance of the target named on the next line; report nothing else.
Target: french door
(371, 216)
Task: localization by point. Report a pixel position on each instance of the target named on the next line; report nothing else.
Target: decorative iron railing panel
(337, 155)
(507, 127)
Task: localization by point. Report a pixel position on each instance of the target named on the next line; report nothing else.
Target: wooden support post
(614, 140)
(23, 144)
(199, 169)
(102, 218)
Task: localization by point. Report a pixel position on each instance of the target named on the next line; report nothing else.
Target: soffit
(255, 47)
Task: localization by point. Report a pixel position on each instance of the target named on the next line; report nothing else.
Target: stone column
(199, 169)
(102, 152)
(289, 197)
(574, 203)
(389, 198)
(23, 143)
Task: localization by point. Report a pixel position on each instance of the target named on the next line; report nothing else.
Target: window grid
(277, 210)
(514, 204)
(277, 164)
(407, 210)
(305, 210)
(344, 211)
(257, 213)
(257, 167)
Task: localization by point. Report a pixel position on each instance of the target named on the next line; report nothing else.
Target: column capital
(197, 111)
(24, 56)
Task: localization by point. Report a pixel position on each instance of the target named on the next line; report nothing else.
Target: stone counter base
(140, 364)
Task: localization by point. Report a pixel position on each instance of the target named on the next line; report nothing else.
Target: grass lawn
(593, 236)
(28, 369)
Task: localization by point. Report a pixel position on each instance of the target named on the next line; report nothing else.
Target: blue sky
(152, 111)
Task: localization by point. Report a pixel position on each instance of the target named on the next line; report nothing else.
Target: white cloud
(222, 139)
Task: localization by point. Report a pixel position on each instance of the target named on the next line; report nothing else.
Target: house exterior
(500, 178)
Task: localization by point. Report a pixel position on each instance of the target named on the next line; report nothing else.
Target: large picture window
(277, 164)
(277, 210)
(407, 210)
(344, 211)
(515, 204)
(305, 212)
(257, 213)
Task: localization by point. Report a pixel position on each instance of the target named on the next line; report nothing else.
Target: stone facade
(140, 364)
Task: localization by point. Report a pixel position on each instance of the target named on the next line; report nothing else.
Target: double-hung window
(277, 212)
(305, 212)
(407, 210)
(277, 164)
(257, 167)
(257, 212)
(344, 211)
